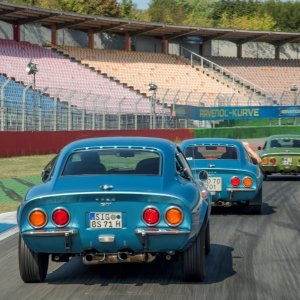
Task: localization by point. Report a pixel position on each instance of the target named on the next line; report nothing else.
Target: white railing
(232, 78)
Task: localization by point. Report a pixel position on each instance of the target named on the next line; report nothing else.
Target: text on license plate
(286, 161)
(214, 184)
(105, 220)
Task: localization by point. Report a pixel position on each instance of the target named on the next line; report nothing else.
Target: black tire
(207, 239)
(33, 266)
(256, 208)
(193, 260)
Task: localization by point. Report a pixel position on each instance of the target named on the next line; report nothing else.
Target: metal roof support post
(24, 107)
(2, 115)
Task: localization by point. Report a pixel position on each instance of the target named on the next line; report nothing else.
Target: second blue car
(233, 177)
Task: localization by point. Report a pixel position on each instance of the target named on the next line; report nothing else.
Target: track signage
(236, 112)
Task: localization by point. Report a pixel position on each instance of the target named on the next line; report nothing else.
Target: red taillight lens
(60, 217)
(151, 216)
(235, 181)
(273, 160)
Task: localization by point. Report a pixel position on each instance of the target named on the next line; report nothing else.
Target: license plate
(214, 184)
(286, 161)
(105, 220)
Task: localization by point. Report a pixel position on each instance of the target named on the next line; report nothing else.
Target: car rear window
(285, 143)
(211, 152)
(118, 161)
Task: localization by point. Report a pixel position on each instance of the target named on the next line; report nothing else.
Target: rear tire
(193, 259)
(207, 239)
(33, 266)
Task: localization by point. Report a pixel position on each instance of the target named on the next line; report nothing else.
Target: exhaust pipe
(120, 257)
(222, 203)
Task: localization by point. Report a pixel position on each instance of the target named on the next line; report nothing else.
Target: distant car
(233, 176)
(115, 200)
(281, 154)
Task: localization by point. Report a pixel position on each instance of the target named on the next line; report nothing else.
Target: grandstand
(277, 77)
(178, 82)
(87, 87)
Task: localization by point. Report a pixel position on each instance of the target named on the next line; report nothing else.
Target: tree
(109, 8)
(254, 22)
(286, 14)
(167, 11)
(128, 10)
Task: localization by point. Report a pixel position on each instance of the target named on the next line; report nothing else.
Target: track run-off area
(252, 257)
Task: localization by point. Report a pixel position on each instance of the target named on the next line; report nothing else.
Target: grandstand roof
(27, 14)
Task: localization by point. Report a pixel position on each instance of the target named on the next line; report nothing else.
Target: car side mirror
(254, 160)
(259, 147)
(203, 175)
(45, 175)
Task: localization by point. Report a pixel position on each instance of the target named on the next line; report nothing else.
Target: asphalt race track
(252, 257)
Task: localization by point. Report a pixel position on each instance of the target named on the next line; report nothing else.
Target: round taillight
(60, 217)
(151, 216)
(247, 181)
(235, 181)
(265, 160)
(174, 216)
(273, 160)
(37, 218)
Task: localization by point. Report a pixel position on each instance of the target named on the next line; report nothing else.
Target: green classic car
(281, 154)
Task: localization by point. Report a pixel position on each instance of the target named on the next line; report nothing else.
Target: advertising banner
(235, 112)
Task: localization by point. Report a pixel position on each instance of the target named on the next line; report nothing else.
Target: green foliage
(246, 132)
(107, 8)
(254, 22)
(128, 10)
(243, 14)
(167, 11)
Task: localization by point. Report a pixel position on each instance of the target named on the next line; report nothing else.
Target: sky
(141, 4)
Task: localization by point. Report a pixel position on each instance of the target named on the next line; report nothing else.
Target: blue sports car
(233, 176)
(115, 200)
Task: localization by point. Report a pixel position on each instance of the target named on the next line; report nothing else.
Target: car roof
(150, 142)
(278, 136)
(211, 141)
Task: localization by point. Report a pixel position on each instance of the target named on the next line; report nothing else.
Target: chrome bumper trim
(55, 232)
(159, 231)
(240, 190)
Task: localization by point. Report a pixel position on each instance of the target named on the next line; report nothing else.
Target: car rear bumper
(289, 169)
(234, 195)
(73, 241)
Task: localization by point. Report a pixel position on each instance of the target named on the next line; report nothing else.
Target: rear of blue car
(113, 204)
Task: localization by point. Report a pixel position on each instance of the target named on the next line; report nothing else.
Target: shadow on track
(218, 268)
(241, 210)
(278, 177)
